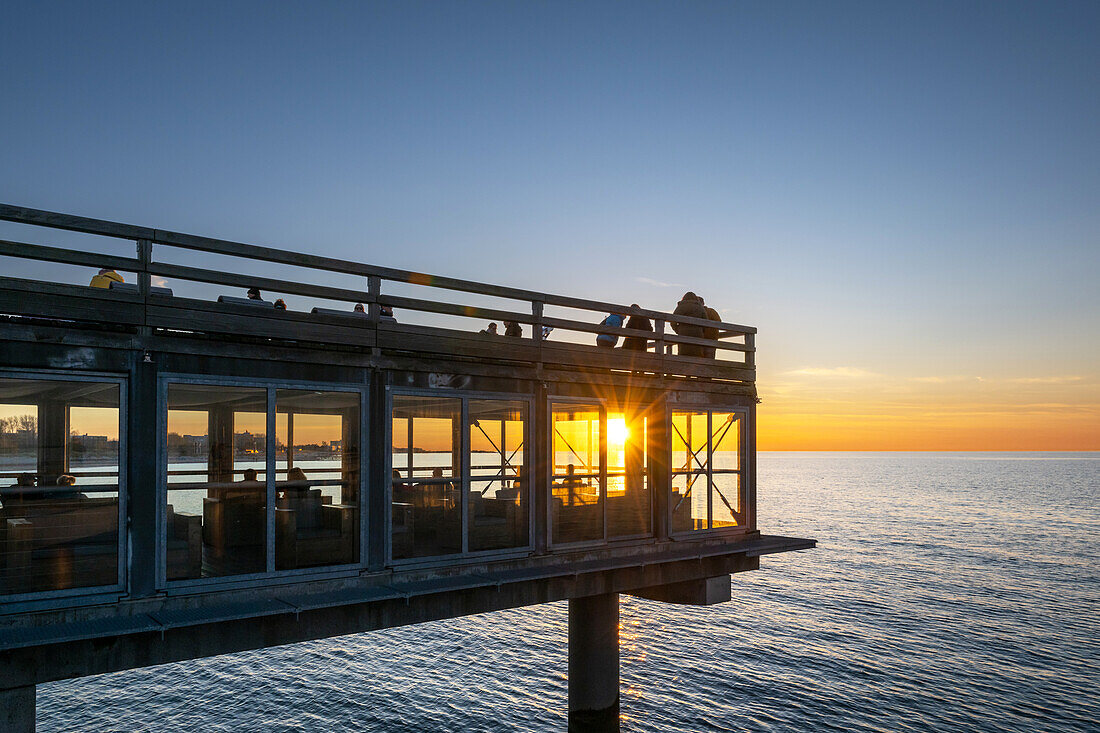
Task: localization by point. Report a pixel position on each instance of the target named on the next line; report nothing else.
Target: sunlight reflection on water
(947, 593)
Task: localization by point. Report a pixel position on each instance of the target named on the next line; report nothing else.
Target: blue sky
(910, 192)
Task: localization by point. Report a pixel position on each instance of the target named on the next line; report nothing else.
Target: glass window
(706, 470)
(426, 476)
(629, 509)
(576, 500)
(59, 484)
(217, 483)
(498, 499)
(725, 475)
(317, 474)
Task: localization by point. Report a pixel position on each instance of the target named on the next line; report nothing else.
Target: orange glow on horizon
(870, 413)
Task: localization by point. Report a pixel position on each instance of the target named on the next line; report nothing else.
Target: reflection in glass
(689, 471)
(576, 489)
(498, 489)
(628, 499)
(316, 478)
(217, 490)
(59, 500)
(706, 465)
(725, 482)
(426, 476)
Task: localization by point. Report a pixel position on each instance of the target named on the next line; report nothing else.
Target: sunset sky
(904, 200)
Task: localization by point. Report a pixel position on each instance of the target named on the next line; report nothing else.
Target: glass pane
(317, 478)
(576, 501)
(689, 501)
(726, 427)
(59, 502)
(217, 491)
(425, 461)
(726, 499)
(689, 441)
(628, 501)
(498, 494)
(689, 471)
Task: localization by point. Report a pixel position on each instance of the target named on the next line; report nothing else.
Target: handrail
(56, 220)
(145, 266)
(43, 253)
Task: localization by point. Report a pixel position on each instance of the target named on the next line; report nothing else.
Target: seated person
(571, 482)
(250, 486)
(385, 314)
(23, 480)
(437, 493)
(295, 482)
(608, 340)
(104, 279)
(401, 490)
(64, 479)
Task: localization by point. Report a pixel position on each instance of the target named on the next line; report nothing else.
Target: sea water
(948, 592)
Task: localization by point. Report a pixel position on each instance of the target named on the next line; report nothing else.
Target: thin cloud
(657, 283)
(1047, 380)
(947, 380)
(833, 372)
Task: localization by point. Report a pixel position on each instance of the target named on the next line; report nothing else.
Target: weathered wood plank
(428, 339)
(71, 223)
(44, 253)
(263, 283)
(453, 309)
(202, 316)
(76, 302)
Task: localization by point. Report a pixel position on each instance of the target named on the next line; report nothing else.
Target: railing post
(536, 315)
(374, 309)
(659, 330)
(145, 256)
(374, 289)
(750, 355)
(536, 331)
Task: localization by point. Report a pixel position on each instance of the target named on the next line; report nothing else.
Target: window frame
(53, 598)
(271, 387)
(464, 397)
(652, 412)
(743, 470)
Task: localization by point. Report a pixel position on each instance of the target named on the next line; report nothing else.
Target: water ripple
(948, 593)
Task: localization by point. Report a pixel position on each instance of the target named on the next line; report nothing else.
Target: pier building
(186, 471)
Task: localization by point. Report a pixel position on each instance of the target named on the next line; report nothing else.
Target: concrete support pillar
(594, 664)
(17, 710)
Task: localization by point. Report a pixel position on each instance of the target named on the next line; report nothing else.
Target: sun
(617, 432)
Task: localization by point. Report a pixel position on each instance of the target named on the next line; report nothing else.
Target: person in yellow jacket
(105, 277)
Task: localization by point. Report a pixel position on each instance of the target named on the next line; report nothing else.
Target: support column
(142, 505)
(17, 710)
(594, 664)
(53, 440)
